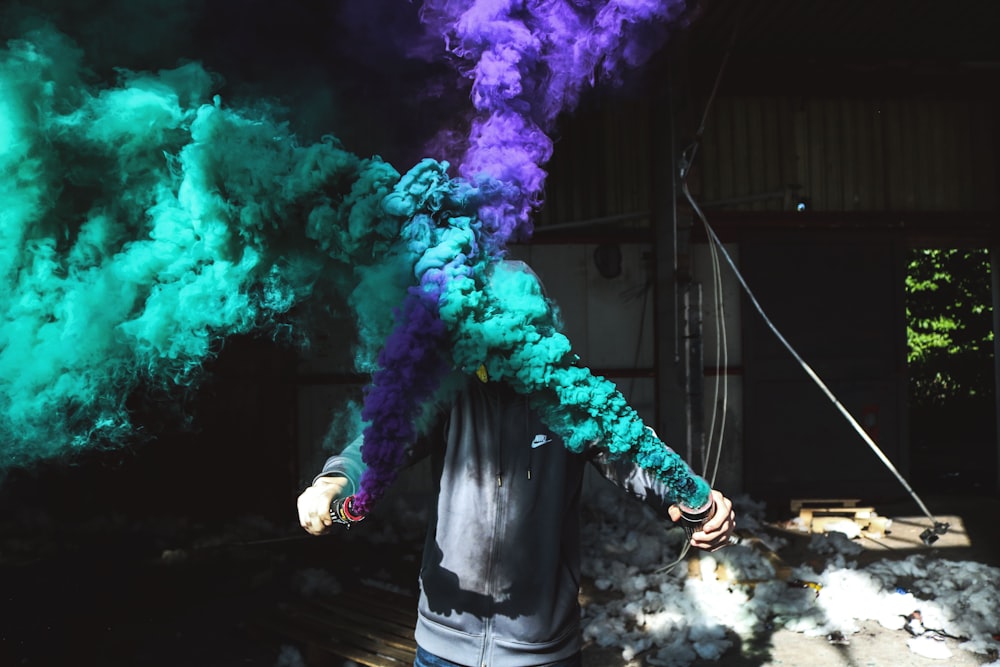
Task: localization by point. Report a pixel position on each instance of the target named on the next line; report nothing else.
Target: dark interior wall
(219, 452)
(837, 298)
(849, 153)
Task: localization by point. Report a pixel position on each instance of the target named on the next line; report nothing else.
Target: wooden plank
(400, 609)
(337, 610)
(808, 514)
(798, 503)
(335, 646)
(369, 626)
(345, 615)
(356, 632)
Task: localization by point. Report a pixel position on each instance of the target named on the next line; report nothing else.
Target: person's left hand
(717, 531)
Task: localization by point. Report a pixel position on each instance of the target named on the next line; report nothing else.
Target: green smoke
(142, 224)
(499, 317)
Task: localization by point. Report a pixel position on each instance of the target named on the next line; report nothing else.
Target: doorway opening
(950, 364)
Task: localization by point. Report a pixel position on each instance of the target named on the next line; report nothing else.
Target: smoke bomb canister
(693, 518)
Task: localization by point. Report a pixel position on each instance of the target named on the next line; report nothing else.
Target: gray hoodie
(500, 577)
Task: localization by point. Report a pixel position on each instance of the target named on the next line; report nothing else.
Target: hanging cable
(713, 238)
(714, 451)
(686, 159)
(685, 167)
(716, 248)
(715, 243)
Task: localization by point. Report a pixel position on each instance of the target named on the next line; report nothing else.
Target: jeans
(425, 659)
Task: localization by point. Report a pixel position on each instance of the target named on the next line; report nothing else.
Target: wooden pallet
(842, 507)
(369, 626)
(817, 513)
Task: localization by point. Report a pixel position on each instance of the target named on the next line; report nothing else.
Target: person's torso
(500, 573)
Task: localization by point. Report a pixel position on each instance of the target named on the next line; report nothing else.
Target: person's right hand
(314, 503)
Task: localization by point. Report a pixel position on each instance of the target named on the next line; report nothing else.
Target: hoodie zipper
(497, 536)
(527, 433)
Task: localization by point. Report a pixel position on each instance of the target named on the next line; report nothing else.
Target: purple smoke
(415, 357)
(411, 365)
(528, 62)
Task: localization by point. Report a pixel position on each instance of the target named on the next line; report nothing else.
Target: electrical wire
(713, 238)
(721, 341)
(718, 248)
(710, 468)
(713, 450)
(687, 160)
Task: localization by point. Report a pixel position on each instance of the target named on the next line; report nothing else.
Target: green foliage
(949, 326)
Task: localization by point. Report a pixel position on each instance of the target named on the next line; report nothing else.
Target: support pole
(671, 417)
(694, 363)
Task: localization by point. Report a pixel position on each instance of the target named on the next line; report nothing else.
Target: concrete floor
(972, 536)
(120, 599)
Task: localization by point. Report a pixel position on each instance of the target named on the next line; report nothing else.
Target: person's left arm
(639, 483)
(717, 531)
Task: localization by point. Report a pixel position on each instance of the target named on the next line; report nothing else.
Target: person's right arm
(339, 478)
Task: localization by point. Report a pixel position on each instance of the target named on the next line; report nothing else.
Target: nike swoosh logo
(540, 440)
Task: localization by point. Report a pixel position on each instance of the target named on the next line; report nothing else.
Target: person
(500, 574)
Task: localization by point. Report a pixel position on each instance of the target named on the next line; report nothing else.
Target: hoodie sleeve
(634, 480)
(347, 464)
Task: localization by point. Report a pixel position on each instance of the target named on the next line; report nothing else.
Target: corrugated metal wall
(849, 154)
(768, 153)
(600, 166)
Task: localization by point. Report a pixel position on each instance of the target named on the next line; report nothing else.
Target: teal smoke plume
(146, 221)
(143, 223)
(527, 63)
